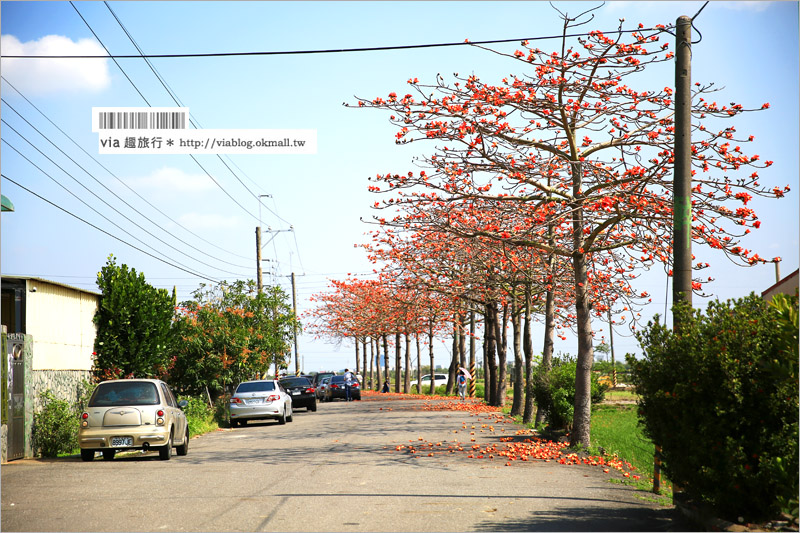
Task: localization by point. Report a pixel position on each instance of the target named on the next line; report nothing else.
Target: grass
(615, 429)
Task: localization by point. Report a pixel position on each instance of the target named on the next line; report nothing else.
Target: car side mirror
(182, 404)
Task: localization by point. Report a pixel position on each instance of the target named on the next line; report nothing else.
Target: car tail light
(160, 412)
(273, 398)
(310, 390)
(84, 422)
(334, 386)
(160, 419)
(85, 416)
(355, 385)
(236, 400)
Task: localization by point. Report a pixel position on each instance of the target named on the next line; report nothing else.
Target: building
(49, 335)
(788, 285)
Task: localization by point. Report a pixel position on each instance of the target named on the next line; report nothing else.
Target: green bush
(55, 426)
(199, 416)
(554, 391)
(721, 398)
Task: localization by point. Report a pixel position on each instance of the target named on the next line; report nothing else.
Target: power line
(331, 50)
(73, 194)
(107, 233)
(118, 197)
(175, 98)
(121, 181)
(148, 103)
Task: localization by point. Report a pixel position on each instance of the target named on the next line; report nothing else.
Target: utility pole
(294, 307)
(682, 178)
(259, 283)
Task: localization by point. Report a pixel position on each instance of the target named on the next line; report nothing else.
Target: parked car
(440, 379)
(336, 389)
(302, 392)
(320, 376)
(133, 414)
(262, 399)
(322, 387)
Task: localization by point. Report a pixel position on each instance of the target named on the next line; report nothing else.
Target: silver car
(133, 414)
(322, 386)
(259, 400)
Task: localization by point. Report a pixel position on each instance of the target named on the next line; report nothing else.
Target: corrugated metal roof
(51, 282)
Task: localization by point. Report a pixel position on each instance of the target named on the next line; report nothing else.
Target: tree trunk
(549, 322)
(519, 391)
(451, 371)
(358, 358)
(581, 426)
(527, 347)
(502, 368)
(419, 366)
(397, 365)
(407, 373)
(386, 373)
(491, 347)
(430, 339)
(377, 359)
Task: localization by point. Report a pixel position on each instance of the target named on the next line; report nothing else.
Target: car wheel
(108, 455)
(183, 449)
(87, 455)
(313, 407)
(242, 422)
(165, 452)
(291, 415)
(234, 423)
(282, 418)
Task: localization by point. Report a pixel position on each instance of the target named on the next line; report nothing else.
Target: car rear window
(124, 393)
(255, 386)
(337, 379)
(295, 382)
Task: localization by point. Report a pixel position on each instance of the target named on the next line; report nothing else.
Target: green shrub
(199, 416)
(721, 398)
(55, 426)
(554, 391)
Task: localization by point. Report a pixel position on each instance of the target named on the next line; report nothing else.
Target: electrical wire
(331, 50)
(119, 198)
(148, 103)
(75, 195)
(196, 124)
(107, 233)
(121, 181)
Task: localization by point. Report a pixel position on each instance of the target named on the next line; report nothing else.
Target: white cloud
(172, 180)
(48, 76)
(208, 221)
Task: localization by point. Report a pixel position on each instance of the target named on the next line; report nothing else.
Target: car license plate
(253, 401)
(121, 441)
(295, 393)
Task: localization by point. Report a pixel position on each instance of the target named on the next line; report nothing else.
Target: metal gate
(16, 404)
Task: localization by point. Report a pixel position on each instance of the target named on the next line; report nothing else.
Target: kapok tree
(570, 135)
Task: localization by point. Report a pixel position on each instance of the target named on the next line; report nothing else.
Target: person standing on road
(348, 384)
(461, 380)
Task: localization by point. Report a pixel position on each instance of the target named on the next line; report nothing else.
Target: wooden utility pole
(294, 308)
(259, 283)
(682, 178)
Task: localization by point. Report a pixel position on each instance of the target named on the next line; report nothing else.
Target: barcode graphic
(142, 120)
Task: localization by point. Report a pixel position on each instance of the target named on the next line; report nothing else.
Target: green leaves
(721, 398)
(134, 321)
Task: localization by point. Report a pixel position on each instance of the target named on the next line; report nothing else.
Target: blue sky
(748, 48)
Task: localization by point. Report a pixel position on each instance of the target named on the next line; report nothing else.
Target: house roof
(784, 286)
(51, 282)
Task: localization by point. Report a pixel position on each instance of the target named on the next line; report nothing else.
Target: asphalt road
(337, 469)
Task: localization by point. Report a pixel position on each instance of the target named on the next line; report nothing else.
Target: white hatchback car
(440, 379)
(259, 400)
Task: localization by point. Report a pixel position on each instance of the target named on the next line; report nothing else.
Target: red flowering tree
(588, 153)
